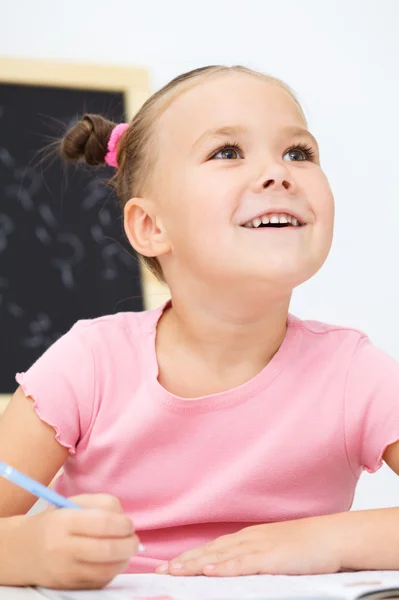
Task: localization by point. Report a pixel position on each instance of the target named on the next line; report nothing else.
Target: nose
(275, 177)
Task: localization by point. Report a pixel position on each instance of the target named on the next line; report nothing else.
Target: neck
(231, 330)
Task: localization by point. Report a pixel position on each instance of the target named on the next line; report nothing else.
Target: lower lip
(276, 229)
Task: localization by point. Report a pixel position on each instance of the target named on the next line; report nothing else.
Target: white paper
(19, 593)
(340, 585)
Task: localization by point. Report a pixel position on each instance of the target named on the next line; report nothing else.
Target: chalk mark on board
(97, 234)
(6, 228)
(15, 310)
(6, 159)
(22, 174)
(96, 193)
(42, 235)
(105, 217)
(21, 194)
(65, 264)
(38, 328)
(48, 215)
(111, 254)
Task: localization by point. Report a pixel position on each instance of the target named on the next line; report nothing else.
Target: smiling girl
(229, 432)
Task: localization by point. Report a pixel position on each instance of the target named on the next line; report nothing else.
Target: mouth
(275, 221)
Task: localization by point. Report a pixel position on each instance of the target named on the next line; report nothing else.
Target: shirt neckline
(220, 400)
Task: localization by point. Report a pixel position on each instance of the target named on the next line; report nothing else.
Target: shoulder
(345, 343)
(116, 329)
(326, 331)
(364, 350)
(335, 342)
(371, 375)
(367, 379)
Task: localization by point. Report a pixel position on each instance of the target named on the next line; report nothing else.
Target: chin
(279, 275)
(281, 280)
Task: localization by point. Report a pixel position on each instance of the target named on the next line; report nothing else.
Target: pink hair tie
(116, 134)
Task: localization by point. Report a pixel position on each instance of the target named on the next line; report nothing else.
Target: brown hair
(87, 140)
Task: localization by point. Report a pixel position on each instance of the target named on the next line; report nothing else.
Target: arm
(55, 548)
(370, 538)
(24, 441)
(358, 540)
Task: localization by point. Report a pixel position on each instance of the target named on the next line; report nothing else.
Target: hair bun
(87, 140)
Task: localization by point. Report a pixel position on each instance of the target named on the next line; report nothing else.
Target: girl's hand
(70, 549)
(306, 546)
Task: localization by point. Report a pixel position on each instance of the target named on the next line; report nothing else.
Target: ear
(144, 228)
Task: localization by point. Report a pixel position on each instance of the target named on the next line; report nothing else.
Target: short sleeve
(371, 406)
(61, 384)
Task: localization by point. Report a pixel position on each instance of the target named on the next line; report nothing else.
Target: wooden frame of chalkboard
(131, 82)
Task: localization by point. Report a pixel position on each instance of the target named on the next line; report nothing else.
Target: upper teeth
(273, 218)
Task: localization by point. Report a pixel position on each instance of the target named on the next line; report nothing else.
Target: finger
(209, 548)
(98, 523)
(98, 550)
(197, 565)
(103, 501)
(104, 572)
(91, 575)
(245, 564)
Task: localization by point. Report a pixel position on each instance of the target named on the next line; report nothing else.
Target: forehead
(228, 99)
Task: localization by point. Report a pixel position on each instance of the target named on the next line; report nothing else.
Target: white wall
(340, 56)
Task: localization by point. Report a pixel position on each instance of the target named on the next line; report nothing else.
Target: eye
(300, 153)
(228, 152)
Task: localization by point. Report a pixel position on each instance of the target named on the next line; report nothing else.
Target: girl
(229, 432)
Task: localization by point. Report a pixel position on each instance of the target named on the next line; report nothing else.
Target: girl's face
(233, 149)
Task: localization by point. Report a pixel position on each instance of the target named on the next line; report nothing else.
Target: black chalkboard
(63, 254)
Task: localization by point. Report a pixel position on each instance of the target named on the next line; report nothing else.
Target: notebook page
(346, 586)
(197, 588)
(19, 593)
(353, 584)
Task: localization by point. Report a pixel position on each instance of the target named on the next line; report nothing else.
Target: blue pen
(35, 488)
(39, 490)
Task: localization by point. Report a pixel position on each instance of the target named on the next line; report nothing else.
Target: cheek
(325, 212)
(323, 203)
(329, 208)
(203, 206)
(190, 219)
(325, 222)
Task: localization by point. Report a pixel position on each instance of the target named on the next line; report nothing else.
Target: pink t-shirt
(290, 443)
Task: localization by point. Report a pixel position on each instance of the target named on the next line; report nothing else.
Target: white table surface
(14, 593)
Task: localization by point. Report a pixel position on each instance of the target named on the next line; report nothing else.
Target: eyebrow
(232, 130)
(300, 132)
(227, 131)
